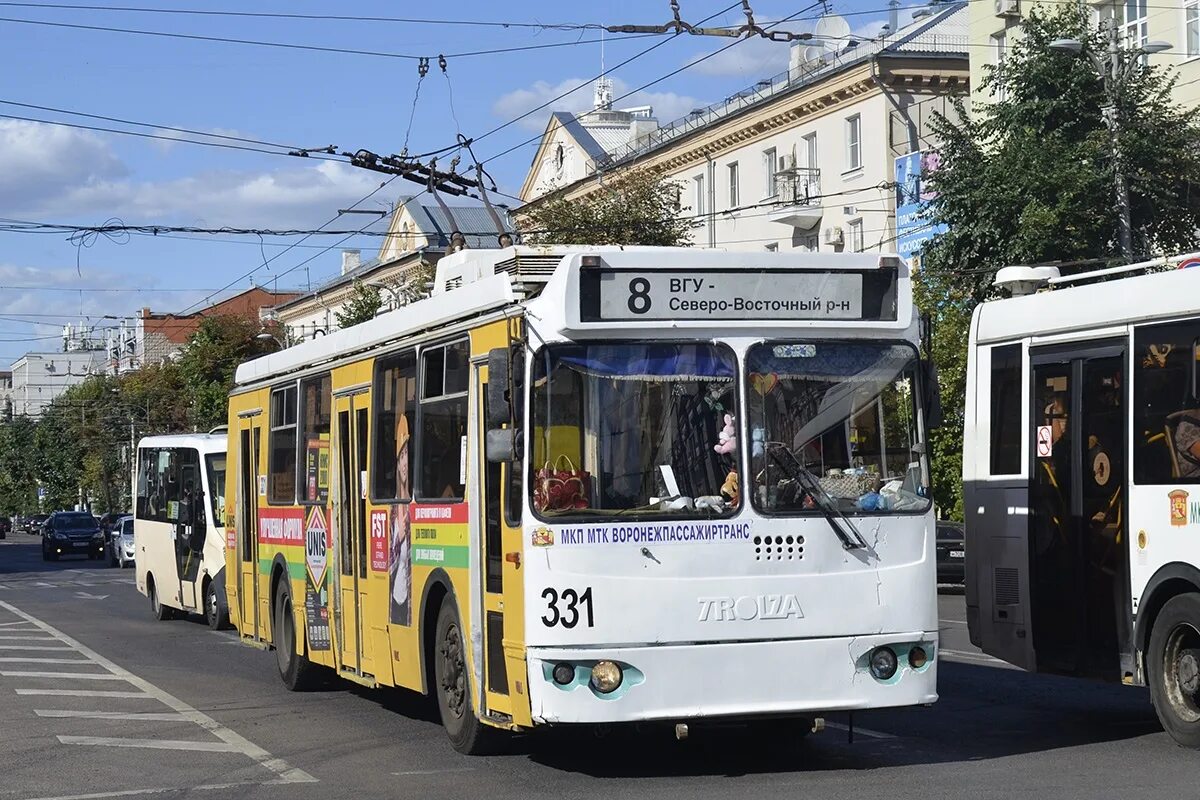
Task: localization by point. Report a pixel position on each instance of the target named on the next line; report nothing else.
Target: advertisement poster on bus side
(316, 596)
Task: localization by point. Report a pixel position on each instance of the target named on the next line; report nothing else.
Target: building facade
(419, 233)
(996, 24)
(153, 337)
(804, 160)
(38, 378)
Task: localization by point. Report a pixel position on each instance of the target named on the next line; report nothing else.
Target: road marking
(27, 638)
(154, 716)
(89, 596)
(234, 741)
(952, 621)
(81, 693)
(870, 734)
(83, 676)
(13, 624)
(980, 657)
(32, 660)
(153, 744)
(205, 787)
(33, 647)
(435, 771)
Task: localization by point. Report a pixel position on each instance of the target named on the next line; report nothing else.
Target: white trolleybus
(179, 525)
(1081, 467)
(600, 485)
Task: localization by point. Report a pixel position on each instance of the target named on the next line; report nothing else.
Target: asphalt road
(158, 709)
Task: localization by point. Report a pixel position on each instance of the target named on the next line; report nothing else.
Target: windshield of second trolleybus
(847, 412)
(634, 429)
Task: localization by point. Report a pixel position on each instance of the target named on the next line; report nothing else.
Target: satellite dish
(813, 53)
(830, 31)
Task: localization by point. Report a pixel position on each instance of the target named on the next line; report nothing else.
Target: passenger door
(350, 510)
(249, 477)
(1078, 490)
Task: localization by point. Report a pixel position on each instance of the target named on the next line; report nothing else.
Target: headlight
(883, 663)
(606, 677)
(60, 535)
(97, 536)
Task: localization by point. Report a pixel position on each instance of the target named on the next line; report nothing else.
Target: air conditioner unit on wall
(787, 161)
(1008, 8)
(833, 235)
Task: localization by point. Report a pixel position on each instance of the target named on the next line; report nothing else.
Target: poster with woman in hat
(400, 568)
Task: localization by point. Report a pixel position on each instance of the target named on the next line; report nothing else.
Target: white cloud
(752, 59)
(169, 139)
(667, 105)
(39, 162)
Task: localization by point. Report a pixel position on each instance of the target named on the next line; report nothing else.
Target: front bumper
(742, 679)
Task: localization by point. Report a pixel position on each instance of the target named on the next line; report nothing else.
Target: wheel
(296, 671)
(214, 608)
(161, 612)
(1173, 666)
(113, 560)
(467, 734)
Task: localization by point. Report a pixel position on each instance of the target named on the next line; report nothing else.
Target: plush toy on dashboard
(727, 438)
(730, 490)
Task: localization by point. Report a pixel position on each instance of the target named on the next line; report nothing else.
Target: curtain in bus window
(1167, 411)
(316, 394)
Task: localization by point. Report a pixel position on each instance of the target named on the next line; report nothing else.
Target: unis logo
(749, 607)
(1179, 507)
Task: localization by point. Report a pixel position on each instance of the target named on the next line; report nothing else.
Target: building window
(699, 181)
(395, 425)
(316, 395)
(810, 151)
(1137, 31)
(281, 459)
(853, 143)
(1005, 386)
(854, 236)
(442, 444)
(1191, 27)
(769, 166)
(734, 191)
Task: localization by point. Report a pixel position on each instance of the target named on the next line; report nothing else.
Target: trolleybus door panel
(350, 511)
(1076, 519)
(491, 524)
(248, 477)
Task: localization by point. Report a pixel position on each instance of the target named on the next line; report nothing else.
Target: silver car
(120, 542)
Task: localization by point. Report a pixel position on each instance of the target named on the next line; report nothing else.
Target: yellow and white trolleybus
(599, 485)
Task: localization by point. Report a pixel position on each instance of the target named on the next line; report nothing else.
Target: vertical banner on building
(913, 225)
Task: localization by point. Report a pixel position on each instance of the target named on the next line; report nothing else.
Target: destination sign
(612, 294)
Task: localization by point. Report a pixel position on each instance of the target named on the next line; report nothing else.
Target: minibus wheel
(161, 612)
(1173, 667)
(214, 609)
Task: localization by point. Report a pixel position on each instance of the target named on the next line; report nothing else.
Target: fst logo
(1179, 507)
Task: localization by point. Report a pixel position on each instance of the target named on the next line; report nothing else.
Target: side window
(514, 475)
(186, 510)
(281, 458)
(163, 505)
(316, 396)
(1005, 385)
(1166, 437)
(147, 464)
(443, 440)
(395, 415)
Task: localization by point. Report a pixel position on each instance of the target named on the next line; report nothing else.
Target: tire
(161, 613)
(1173, 667)
(113, 560)
(467, 734)
(214, 608)
(295, 670)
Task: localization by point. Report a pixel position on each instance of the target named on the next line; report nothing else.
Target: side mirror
(932, 392)
(504, 445)
(499, 401)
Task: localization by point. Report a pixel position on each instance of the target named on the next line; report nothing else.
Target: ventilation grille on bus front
(778, 548)
(527, 266)
(1006, 589)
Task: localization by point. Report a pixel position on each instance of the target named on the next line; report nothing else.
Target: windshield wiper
(792, 467)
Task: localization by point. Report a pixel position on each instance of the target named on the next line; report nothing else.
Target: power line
(305, 47)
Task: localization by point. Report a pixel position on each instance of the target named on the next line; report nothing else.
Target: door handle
(513, 558)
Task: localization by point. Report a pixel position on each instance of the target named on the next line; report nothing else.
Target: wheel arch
(1169, 581)
(437, 588)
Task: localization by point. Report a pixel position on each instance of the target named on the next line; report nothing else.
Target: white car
(120, 542)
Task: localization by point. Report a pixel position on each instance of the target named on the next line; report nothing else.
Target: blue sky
(301, 98)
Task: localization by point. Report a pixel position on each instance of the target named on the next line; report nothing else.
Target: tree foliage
(1028, 178)
(208, 361)
(364, 303)
(639, 207)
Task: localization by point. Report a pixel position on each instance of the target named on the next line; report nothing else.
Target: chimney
(893, 15)
(351, 259)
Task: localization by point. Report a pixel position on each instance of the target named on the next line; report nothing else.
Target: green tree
(1028, 178)
(362, 306)
(18, 476)
(209, 360)
(637, 208)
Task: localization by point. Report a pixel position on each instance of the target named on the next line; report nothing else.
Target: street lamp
(270, 337)
(391, 290)
(1113, 72)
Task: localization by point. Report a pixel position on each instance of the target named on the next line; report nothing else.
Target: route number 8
(639, 295)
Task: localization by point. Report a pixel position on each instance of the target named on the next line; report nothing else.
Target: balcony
(798, 197)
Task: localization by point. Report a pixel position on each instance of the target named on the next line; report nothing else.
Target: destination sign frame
(634, 294)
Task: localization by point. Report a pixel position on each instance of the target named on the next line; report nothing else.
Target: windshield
(848, 414)
(75, 522)
(216, 487)
(634, 429)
